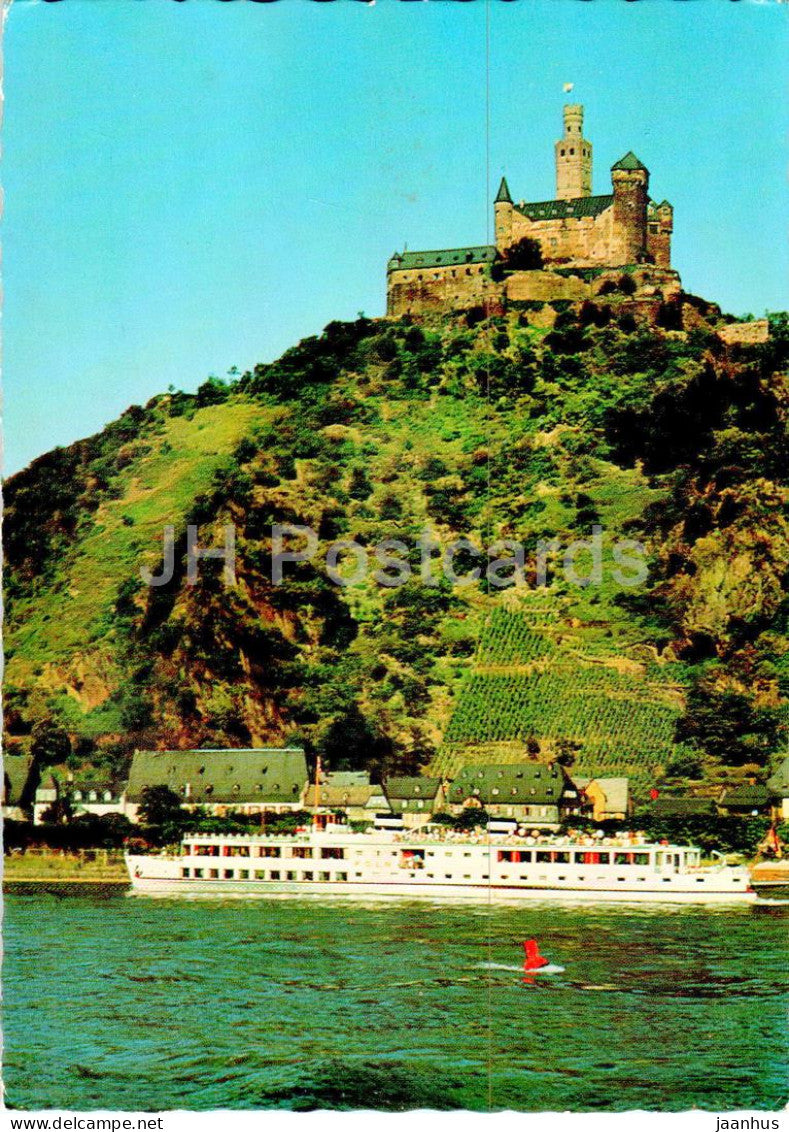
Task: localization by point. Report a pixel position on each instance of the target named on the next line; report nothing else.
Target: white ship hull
(384, 867)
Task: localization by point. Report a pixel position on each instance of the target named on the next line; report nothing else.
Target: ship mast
(317, 792)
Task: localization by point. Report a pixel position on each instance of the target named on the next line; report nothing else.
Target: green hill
(470, 428)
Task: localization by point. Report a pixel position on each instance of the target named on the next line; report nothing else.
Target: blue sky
(190, 187)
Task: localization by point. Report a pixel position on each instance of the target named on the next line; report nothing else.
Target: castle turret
(631, 197)
(573, 157)
(502, 209)
(660, 225)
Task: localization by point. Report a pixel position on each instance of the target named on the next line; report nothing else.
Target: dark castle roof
(629, 162)
(504, 192)
(446, 257)
(565, 209)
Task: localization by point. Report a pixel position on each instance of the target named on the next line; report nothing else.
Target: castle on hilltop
(573, 247)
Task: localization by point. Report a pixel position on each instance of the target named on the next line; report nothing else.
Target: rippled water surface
(128, 1002)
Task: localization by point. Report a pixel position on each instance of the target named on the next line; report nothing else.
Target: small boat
(770, 880)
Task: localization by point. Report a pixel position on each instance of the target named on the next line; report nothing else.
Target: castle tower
(660, 224)
(631, 198)
(502, 213)
(573, 157)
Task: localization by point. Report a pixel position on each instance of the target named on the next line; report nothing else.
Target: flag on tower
(568, 87)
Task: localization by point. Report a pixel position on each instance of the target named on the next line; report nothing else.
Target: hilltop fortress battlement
(578, 244)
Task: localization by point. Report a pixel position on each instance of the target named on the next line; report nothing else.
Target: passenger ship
(384, 863)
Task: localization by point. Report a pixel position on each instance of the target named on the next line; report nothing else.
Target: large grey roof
(443, 257)
(515, 783)
(683, 807)
(226, 776)
(345, 778)
(17, 785)
(412, 786)
(565, 209)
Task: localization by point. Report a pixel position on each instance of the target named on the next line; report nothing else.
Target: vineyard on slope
(621, 721)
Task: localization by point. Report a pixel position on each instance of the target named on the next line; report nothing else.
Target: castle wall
(659, 247)
(544, 287)
(584, 241)
(441, 288)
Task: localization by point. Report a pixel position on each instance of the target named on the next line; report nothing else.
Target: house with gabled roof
(20, 780)
(414, 798)
(608, 797)
(778, 785)
(537, 794)
(348, 792)
(250, 780)
(748, 800)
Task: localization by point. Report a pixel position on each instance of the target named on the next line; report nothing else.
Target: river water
(140, 1003)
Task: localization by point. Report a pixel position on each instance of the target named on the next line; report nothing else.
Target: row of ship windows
(582, 857)
(275, 874)
(258, 874)
(301, 852)
(298, 851)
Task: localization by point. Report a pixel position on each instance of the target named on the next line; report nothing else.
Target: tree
(523, 255)
(50, 744)
(727, 725)
(159, 806)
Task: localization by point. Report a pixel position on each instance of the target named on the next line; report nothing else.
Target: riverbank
(37, 870)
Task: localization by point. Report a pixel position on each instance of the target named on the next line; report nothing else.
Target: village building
(415, 798)
(76, 795)
(46, 795)
(607, 798)
(683, 807)
(538, 794)
(746, 801)
(350, 792)
(778, 785)
(20, 779)
(246, 781)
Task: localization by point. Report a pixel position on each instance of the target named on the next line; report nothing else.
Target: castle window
(572, 151)
(562, 153)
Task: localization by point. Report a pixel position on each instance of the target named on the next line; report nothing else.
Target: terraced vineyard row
(593, 705)
(510, 638)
